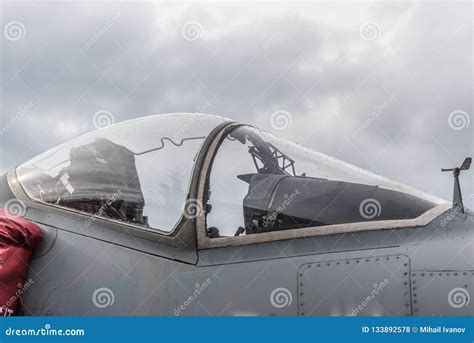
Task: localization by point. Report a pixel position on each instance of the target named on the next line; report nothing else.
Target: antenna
(457, 196)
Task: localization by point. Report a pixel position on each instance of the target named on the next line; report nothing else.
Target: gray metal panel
(446, 244)
(446, 293)
(118, 234)
(5, 191)
(84, 276)
(47, 240)
(366, 286)
(346, 242)
(247, 288)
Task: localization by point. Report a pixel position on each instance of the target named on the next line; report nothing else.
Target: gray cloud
(381, 104)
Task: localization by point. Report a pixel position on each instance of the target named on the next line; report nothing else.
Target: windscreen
(136, 172)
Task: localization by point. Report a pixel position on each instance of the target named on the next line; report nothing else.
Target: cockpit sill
(326, 230)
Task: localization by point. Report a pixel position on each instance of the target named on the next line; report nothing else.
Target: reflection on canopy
(136, 171)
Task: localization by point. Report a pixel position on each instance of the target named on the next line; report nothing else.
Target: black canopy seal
(457, 196)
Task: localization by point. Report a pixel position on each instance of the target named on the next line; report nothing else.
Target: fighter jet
(193, 214)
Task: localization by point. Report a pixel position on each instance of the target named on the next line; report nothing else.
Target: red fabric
(18, 239)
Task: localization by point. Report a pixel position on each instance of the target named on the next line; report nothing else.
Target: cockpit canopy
(138, 172)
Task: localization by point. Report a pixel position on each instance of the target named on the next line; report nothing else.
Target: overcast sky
(385, 86)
